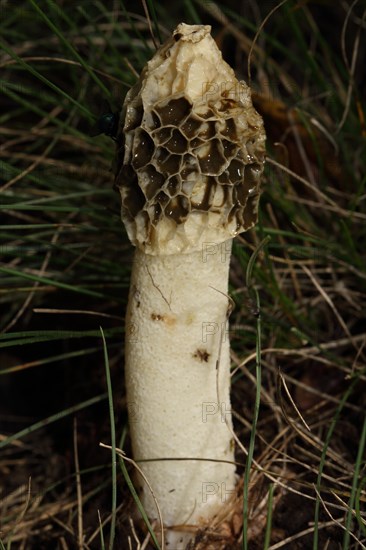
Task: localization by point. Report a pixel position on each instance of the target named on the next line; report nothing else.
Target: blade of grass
(258, 371)
(101, 532)
(253, 258)
(32, 107)
(360, 519)
(53, 418)
(135, 496)
(322, 463)
(50, 360)
(355, 481)
(137, 33)
(45, 80)
(267, 537)
(192, 12)
(51, 282)
(113, 442)
(66, 42)
(155, 19)
(12, 340)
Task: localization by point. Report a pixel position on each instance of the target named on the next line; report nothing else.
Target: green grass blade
(113, 443)
(267, 536)
(102, 543)
(356, 478)
(36, 336)
(253, 258)
(49, 360)
(53, 418)
(52, 282)
(152, 10)
(360, 519)
(322, 463)
(67, 43)
(138, 502)
(253, 432)
(45, 80)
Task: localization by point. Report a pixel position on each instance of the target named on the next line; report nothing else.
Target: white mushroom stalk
(190, 157)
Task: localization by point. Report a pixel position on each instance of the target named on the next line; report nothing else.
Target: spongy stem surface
(178, 384)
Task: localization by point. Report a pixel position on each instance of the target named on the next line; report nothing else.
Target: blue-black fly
(106, 124)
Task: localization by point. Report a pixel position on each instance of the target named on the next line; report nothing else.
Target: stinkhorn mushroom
(190, 157)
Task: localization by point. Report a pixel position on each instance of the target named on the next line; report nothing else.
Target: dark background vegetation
(65, 264)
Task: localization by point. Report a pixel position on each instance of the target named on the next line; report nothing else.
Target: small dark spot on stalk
(136, 295)
(202, 355)
(157, 317)
(169, 320)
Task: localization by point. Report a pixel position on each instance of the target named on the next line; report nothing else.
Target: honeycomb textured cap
(190, 149)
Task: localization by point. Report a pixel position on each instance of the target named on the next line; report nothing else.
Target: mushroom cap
(190, 149)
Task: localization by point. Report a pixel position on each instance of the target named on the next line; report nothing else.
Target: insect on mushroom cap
(190, 149)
